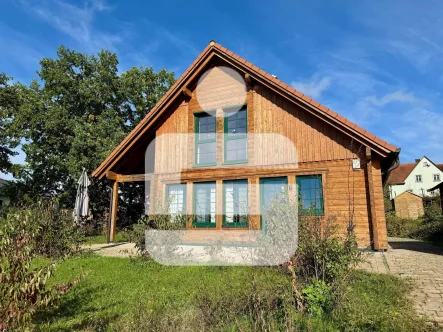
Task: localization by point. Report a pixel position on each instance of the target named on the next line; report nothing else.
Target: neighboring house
(416, 178)
(408, 205)
(4, 200)
(223, 167)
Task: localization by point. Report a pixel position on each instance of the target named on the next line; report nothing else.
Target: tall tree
(9, 101)
(76, 114)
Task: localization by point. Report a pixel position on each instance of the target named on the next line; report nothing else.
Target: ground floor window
(310, 194)
(176, 200)
(271, 189)
(204, 204)
(235, 198)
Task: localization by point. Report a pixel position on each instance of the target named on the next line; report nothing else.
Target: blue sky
(380, 64)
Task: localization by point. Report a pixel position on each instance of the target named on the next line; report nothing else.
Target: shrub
(427, 228)
(433, 213)
(318, 297)
(56, 234)
(401, 227)
(323, 254)
(161, 220)
(22, 290)
(429, 231)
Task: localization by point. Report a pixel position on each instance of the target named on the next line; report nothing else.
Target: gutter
(391, 163)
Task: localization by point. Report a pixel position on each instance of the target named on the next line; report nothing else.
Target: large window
(176, 196)
(204, 204)
(236, 136)
(310, 194)
(271, 190)
(235, 197)
(205, 140)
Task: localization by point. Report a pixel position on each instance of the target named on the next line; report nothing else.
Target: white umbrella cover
(81, 208)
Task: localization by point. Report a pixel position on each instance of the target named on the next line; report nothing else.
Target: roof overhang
(438, 186)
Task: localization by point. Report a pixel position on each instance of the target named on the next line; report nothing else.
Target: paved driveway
(417, 260)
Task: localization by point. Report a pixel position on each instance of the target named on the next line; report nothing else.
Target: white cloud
(75, 21)
(398, 96)
(314, 87)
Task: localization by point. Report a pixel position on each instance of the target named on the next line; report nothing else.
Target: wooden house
(208, 158)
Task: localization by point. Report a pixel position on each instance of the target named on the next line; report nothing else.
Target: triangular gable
(213, 49)
(406, 193)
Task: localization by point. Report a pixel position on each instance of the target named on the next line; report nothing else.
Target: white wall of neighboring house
(426, 170)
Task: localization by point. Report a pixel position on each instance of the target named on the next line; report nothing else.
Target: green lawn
(114, 287)
(134, 294)
(100, 239)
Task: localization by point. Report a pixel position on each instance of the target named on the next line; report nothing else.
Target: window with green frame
(236, 136)
(204, 204)
(176, 197)
(235, 203)
(205, 139)
(310, 194)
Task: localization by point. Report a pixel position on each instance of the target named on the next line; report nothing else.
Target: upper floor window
(236, 136)
(205, 140)
(418, 178)
(310, 194)
(436, 177)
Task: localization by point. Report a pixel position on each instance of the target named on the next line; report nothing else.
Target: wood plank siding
(289, 135)
(321, 149)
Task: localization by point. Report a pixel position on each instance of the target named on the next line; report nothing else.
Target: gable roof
(399, 175)
(407, 193)
(257, 74)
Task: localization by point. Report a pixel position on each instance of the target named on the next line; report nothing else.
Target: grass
(101, 239)
(135, 294)
(113, 288)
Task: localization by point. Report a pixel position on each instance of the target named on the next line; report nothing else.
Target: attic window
(436, 177)
(418, 178)
(425, 164)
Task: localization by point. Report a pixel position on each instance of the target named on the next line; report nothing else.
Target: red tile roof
(311, 101)
(399, 175)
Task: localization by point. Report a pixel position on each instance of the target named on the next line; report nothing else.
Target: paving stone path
(120, 249)
(419, 261)
(406, 258)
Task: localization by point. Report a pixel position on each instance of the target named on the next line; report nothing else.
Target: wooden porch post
(114, 212)
(378, 220)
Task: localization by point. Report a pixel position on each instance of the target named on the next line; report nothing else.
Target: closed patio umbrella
(81, 208)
